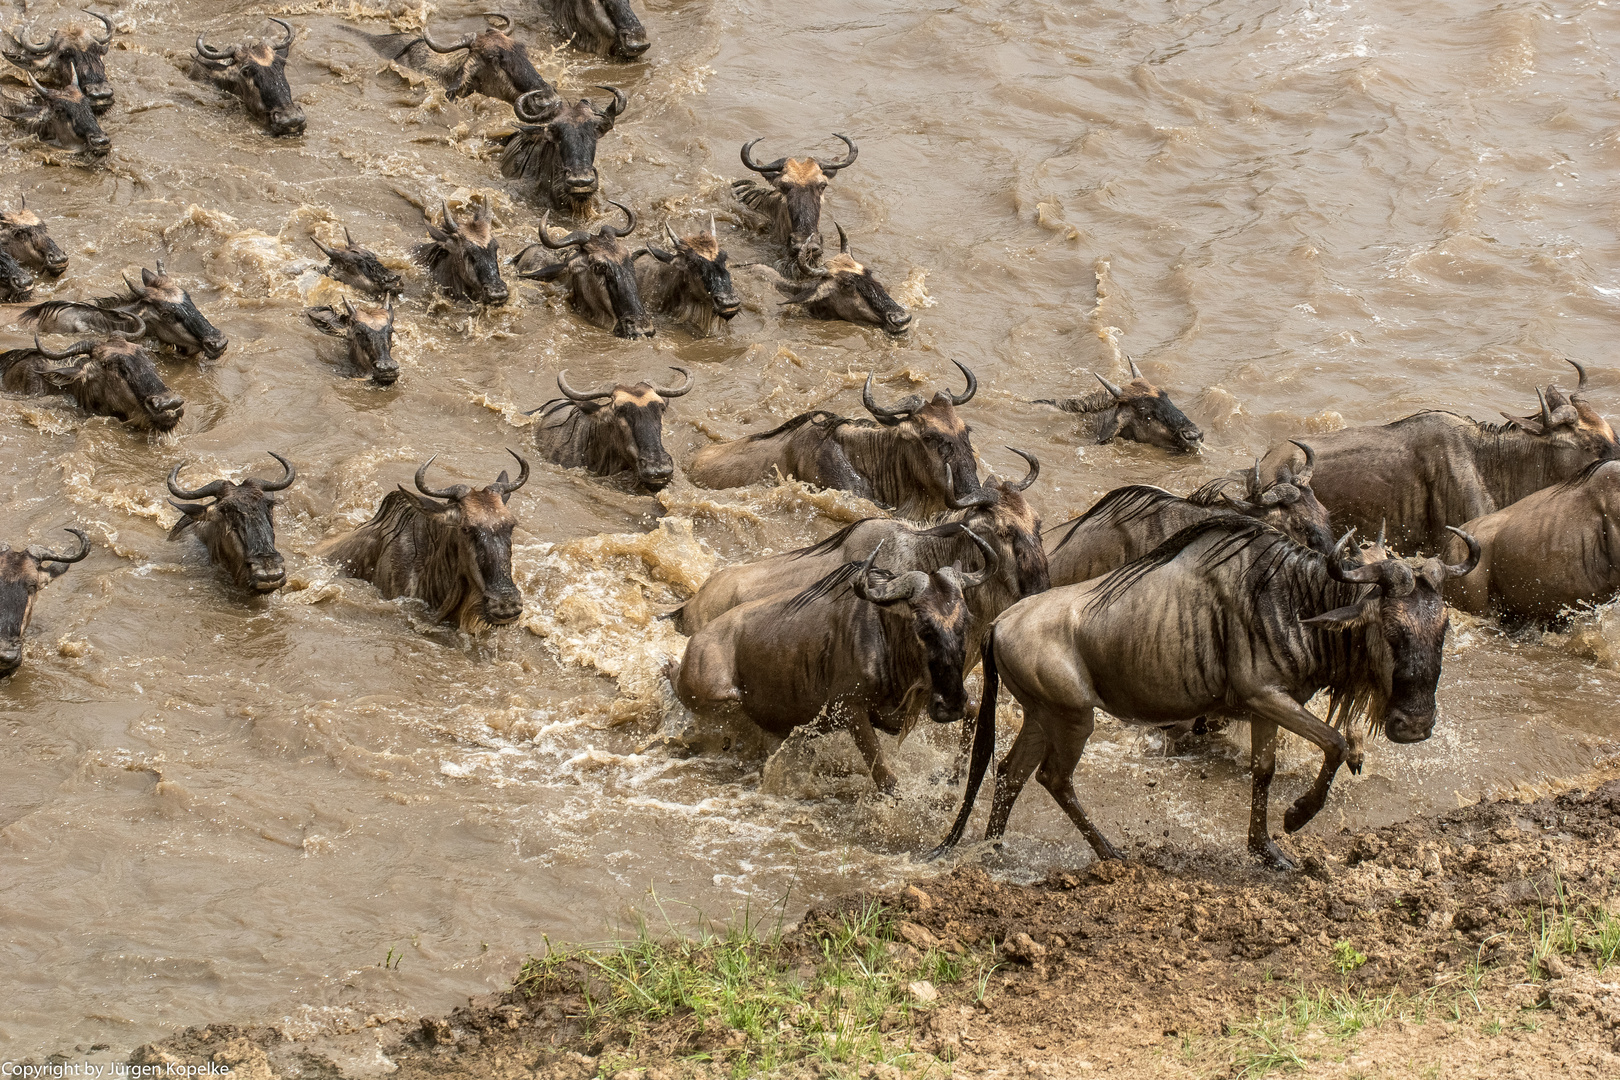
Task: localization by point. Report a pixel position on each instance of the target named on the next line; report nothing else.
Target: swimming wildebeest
(359, 268)
(916, 458)
(1214, 623)
(792, 202)
(606, 27)
(257, 75)
(1554, 549)
(158, 304)
(555, 148)
(238, 526)
(843, 290)
(463, 259)
(114, 378)
(495, 64)
(369, 332)
(68, 54)
(25, 238)
(63, 117)
(1435, 469)
(690, 282)
(452, 550)
(15, 282)
(600, 272)
(22, 575)
(616, 429)
(862, 648)
(1138, 411)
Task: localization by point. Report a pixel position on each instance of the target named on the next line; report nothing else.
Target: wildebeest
(555, 148)
(22, 575)
(452, 550)
(870, 655)
(607, 27)
(1214, 623)
(68, 54)
(463, 259)
(1554, 549)
(792, 202)
(369, 332)
(15, 282)
(616, 429)
(916, 458)
(1434, 469)
(601, 275)
(238, 526)
(1129, 522)
(115, 378)
(359, 267)
(690, 282)
(843, 290)
(257, 75)
(495, 64)
(25, 238)
(158, 304)
(63, 117)
(1138, 411)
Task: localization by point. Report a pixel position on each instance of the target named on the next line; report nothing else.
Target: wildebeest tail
(984, 745)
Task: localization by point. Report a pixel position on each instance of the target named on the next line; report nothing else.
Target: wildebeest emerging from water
(451, 549)
(108, 378)
(63, 117)
(22, 575)
(607, 27)
(614, 430)
(463, 259)
(257, 76)
(70, 54)
(238, 526)
(1215, 622)
(860, 649)
(690, 282)
(369, 332)
(25, 238)
(555, 148)
(495, 64)
(1138, 411)
(158, 305)
(843, 291)
(601, 275)
(916, 458)
(15, 282)
(791, 205)
(359, 267)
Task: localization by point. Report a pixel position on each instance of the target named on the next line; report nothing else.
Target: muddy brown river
(315, 807)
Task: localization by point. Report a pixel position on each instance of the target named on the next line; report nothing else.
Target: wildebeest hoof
(1296, 817)
(1273, 856)
(1354, 764)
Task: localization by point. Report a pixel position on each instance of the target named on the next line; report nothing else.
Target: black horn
(972, 385)
(438, 47)
(991, 561)
(1580, 387)
(455, 491)
(1034, 468)
(104, 21)
(575, 395)
(613, 112)
(983, 498)
(764, 170)
(843, 239)
(289, 474)
(78, 348)
(573, 239)
(211, 490)
(286, 42)
(1390, 575)
(505, 487)
(504, 19)
(1465, 567)
(208, 52)
(630, 217)
(38, 50)
(831, 167)
(548, 105)
(676, 391)
(887, 417)
(1303, 477)
(49, 556)
(1119, 395)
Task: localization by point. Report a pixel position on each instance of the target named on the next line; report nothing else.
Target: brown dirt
(1157, 967)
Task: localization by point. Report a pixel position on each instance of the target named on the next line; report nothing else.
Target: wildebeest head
(171, 317)
(1404, 623)
(1143, 413)
(846, 290)
(802, 183)
(702, 272)
(1577, 432)
(564, 136)
(602, 271)
(464, 257)
(939, 434)
(1288, 504)
(1004, 513)
(238, 525)
(74, 53)
(631, 419)
(359, 267)
(25, 238)
(22, 575)
(939, 621)
(15, 281)
(115, 377)
(258, 75)
(496, 65)
(65, 118)
(482, 526)
(369, 331)
(605, 25)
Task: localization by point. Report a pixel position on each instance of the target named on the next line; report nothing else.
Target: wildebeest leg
(1263, 762)
(866, 741)
(1028, 750)
(1065, 742)
(1292, 716)
(1356, 752)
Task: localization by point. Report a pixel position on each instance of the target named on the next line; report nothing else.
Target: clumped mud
(1481, 932)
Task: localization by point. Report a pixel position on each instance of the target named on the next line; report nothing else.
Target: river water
(313, 808)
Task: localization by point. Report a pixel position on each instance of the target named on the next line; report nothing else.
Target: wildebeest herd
(1234, 602)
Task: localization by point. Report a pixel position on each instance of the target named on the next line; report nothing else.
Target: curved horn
(575, 395)
(991, 560)
(208, 52)
(763, 170)
(547, 102)
(38, 89)
(42, 555)
(439, 47)
(677, 391)
(505, 20)
(503, 487)
(106, 22)
(73, 83)
(1392, 577)
(630, 216)
(131, 335)
(674, 241)
(289, 474)
(455, 491)
(1034, 469)
(843, 239)
(573, 239)
(1110, 387)
(78, 348)
(1546, 410)
(983, 498)
(1465, 567)
(137, 291)
(1136, 372)
(886, 417)
(1581, 371)
(323, 248)
(288, 30)
(211, 490)
(451, 225)
(612, 112)
(972, 385)
(1254, 479)
(37, 50)
(831, 167)
(1303, 477)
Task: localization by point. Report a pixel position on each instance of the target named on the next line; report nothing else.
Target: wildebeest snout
(10, 657)
(267, 574)
(166, 409)
(503, 606)
(287, 121)
(1404, 727)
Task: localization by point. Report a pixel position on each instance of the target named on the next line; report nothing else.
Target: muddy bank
(1481, 942)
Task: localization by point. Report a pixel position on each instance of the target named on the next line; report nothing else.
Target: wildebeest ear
(1523, 423)
(148, 278)
(545, 273)
(1339, 618)
(64, 376)
(327, 321)
(438, 234)
(1109, 426)
(190, 514)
